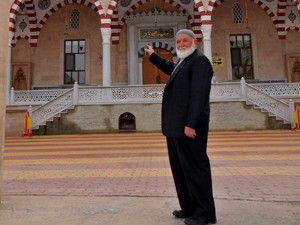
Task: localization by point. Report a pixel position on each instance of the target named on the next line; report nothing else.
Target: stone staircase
(115, 95)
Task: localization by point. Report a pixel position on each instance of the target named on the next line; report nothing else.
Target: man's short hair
(188, 32)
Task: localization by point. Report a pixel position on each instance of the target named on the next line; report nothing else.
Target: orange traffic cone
(27, 125)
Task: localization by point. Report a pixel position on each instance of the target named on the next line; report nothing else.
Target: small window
(74, 62)
(241, 56)
(127, 122)
(74, 19)
(237, 13)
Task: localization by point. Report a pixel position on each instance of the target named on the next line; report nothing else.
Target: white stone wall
(94, 119)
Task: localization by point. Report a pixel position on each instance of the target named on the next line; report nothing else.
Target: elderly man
(185, 120)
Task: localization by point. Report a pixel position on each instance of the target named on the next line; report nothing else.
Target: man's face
(183, 42)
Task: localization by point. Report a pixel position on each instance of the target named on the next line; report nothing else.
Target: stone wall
(48, 58)
(94, 119)
(268, 51)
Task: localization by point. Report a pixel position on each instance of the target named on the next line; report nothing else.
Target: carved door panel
(152, 75)
(21, 76)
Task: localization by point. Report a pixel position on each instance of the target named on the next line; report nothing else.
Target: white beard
(185, 53)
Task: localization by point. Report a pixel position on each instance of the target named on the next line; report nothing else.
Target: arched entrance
(151, 74)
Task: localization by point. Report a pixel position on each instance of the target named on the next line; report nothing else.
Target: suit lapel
(179, 67)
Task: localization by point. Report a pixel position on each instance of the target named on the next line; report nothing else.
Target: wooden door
(151, 74)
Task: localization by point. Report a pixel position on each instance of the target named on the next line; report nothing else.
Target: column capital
(106, 34)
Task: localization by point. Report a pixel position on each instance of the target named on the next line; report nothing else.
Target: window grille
(74, 19)
(237, 13)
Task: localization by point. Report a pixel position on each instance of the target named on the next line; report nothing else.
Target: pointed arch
(118, 23)
(159, 44)
(265, 8)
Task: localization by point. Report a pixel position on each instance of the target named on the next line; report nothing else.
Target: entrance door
(152, 75)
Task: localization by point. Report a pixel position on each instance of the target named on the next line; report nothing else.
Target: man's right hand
(148, 50)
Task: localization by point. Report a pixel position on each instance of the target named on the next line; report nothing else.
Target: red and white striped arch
(117, 23)
(33, 26)
(62, 4)
(106, 18)
(14, 9)
(277, 19)
(280, 23)
(261, 4)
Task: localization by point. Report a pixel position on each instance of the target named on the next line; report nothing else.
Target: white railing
(221, 92)
(120, 95)
(273, 106)
(52, 108)
(34, 97)
(233, 91)
(280, 90)
(225, 91)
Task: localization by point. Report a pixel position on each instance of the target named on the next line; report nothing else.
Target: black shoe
(182, 214)
(211, 221)
(192, 221)
(195, 221)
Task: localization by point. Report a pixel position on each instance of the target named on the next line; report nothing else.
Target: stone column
(132, 57)
(206, 31)
(4, 14)
(140, 80)
(106, 67)
(8, 74)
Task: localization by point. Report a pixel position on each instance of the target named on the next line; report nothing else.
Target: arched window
(74, 19)
(237, 13)
(127, 122)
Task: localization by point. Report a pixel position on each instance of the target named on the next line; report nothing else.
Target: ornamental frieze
(156, 33)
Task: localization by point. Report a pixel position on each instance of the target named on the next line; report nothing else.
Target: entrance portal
(151, 74)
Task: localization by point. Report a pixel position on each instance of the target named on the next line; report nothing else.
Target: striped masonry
(33, 26)
(159, 44)
(118, 23)
(12, 18)
(245, 165)
(212, 4)
(280, 23)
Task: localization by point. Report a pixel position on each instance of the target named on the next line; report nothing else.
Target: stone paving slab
(49, 210)
(260, 165)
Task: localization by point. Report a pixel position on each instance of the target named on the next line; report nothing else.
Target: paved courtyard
(260, 165)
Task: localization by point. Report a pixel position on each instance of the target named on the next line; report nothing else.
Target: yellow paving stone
(143, 159)
(145, 172)
(146, 142)
(82, 160)
(87, 146)
(100, 151)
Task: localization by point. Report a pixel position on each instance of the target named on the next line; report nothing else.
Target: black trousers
(192, 175)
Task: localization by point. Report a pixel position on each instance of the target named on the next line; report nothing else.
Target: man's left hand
(189, 132)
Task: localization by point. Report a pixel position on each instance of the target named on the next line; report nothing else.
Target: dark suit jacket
(186, 95)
